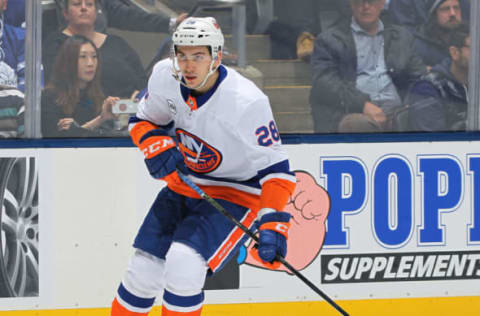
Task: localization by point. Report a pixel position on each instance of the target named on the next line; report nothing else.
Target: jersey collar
(204, 97)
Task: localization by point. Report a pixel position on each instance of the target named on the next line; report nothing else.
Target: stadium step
(288, 98)
(294, 122)
(284, 72)
(291, 108)
(257, 46)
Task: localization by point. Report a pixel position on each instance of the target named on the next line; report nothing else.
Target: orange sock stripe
(119, 310)
(167, 312)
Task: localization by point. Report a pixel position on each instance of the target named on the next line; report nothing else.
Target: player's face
(449, 14)
(81, 12)
(87, 64)
(194, 63)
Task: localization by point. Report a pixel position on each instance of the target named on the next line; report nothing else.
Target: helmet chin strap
(177, 73)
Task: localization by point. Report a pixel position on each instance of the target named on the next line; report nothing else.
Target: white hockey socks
(185, 274)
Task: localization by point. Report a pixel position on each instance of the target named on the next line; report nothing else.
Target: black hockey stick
(247, 231)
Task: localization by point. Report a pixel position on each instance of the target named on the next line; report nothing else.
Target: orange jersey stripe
(119, 310)
(230, 243)
(276, 193)
(140, 129)
(245, 199)
(167, 312)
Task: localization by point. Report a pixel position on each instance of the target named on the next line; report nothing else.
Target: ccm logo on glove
(158, 144)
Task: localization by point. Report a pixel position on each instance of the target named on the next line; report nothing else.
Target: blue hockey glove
(165, 163)
(162, 156)
(273, 229)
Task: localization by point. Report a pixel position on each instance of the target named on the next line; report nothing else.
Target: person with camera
(73, 104)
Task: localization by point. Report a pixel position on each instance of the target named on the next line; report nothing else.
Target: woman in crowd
(73, 104)
(122, 71)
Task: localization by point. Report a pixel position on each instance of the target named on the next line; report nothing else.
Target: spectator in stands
(15, 13)
(431, 39)
(293, 29)
(72, 103)
(12, 52)
(362, 67)
(12, 109)
(124, 15)
(123, 74)
(439, 101)
(414, 13)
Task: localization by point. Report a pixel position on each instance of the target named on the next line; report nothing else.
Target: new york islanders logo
(199, 156)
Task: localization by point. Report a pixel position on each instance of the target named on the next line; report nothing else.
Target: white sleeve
(153, 107)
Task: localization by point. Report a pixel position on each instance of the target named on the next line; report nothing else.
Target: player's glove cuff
(277, 222)
(155, 145)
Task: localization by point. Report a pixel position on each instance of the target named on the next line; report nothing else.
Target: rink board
(403, 232)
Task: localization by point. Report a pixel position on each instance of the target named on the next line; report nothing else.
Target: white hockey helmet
(199, 32)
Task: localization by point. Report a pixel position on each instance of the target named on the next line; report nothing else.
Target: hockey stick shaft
(247, 231)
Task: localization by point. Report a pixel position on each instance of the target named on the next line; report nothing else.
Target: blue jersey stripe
(133, 299)
(182, 301)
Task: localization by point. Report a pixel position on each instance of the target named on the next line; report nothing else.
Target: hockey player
(227, 141)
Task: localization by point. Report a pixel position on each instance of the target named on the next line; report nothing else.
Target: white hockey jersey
(227, 136)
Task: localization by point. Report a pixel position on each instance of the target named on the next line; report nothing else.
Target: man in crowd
(431, 39)
(414, 13)
(439, 101)
(362, 67)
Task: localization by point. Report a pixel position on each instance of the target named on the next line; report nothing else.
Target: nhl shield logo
(172, 107)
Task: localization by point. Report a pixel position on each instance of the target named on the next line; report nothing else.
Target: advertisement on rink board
(385, 220)
(372, 221)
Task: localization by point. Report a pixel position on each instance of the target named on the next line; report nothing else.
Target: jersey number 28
(267, 135)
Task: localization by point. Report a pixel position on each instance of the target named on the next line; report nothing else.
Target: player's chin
(191, 82)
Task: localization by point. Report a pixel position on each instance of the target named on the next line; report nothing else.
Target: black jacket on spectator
(430, 48)
(413, 13)
(52, 112)
(438, 102)
(122, 69)
(334, 72)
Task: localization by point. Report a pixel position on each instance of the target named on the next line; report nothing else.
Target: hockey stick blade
(247, 231)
